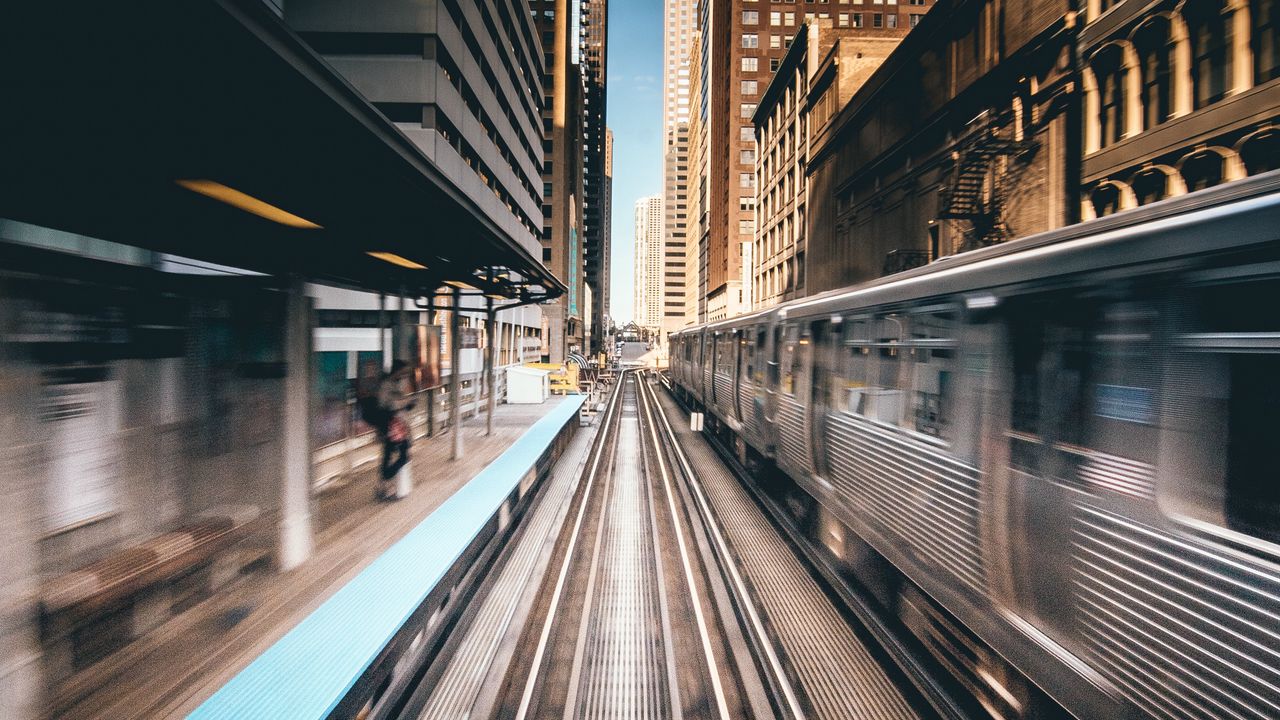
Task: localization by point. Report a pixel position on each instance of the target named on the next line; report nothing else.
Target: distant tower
(679, 23)
(648, 267)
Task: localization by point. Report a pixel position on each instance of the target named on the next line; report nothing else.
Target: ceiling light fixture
(397, 260)
(247, 203)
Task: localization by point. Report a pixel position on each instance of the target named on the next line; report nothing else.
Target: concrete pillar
(455, 373)
(431, 394)
(490, 376)
(400, 346)
(21, 679)
(296, 538)
(383, 356)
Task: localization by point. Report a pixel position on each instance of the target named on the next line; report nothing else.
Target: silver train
(1065, 447)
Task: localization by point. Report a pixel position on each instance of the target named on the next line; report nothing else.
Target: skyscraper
(650, 249)
(563, 218)
(596, 206)
(679, 22)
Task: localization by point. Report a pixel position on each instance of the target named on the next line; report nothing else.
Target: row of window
(1174, 63)
(1089, 376)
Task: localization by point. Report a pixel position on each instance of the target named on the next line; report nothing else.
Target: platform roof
(129, 121)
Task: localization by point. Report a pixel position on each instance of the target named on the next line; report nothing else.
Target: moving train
(1064, 447)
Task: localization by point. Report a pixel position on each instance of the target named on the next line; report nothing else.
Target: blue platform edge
(308, 671)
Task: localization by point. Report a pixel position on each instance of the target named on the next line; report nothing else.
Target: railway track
(647, 584)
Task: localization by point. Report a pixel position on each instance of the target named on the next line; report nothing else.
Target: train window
(1084, 393)
(857, 358)
(758, 375)
(1229, 367)
(1252, 494)
(933, 350)
(790, 359)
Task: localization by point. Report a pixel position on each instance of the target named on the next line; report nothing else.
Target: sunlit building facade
(1178, 97)
(649, 251)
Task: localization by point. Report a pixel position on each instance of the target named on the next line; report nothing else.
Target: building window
(789, 18)
(1261, 152)
(746, 133)
(750, 17)
(773, 64)
(546, 251)
(1207, 25)
(842, 19)
(747, 157)
(787, 42)
(746, 227)
(1108, 68)
(1106, 199)
(1266, 40)
(775, 42)
(1202, 170)
(775, 18)
(891, 21)
(857, 20)
(749, 87)
(750, 64)
(877, 20)
(746, 180)
(747, 110)
(1151, 185)
(1154, 49)
(750, 40)
(746, 204)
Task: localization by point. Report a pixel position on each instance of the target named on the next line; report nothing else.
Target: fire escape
(981, 180)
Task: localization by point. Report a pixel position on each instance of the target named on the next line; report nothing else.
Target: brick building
(967, 135)
(826, 63)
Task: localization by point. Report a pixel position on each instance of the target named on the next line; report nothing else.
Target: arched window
(1209, 27)
(1153, 43)
(1203, 169)
(1265, 39)
(1151, 185)
(1261, 152)
(1106, 199)
(1108, 67)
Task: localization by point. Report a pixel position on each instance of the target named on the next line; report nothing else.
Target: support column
(490, 377)
(383, 359)
(296, 538)
(455, 373)
(22, 679)
(400, 348)
(431, 394)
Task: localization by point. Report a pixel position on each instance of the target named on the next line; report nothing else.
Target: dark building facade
(1178, 96)
(967, 135)
(563, 218)
(459, 78)
(825, 65)
(741, 45)
(596, 215)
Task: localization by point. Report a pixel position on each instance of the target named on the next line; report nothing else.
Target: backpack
(372, 413)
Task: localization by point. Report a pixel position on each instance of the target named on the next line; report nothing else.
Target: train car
(1063, 447)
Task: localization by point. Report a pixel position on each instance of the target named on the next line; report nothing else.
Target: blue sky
(635, 114)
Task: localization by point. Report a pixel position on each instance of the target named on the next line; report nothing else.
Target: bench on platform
(88, 612)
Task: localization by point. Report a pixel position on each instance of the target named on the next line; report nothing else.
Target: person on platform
(395, 403)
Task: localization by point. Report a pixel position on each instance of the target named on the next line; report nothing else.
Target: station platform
(175, 669)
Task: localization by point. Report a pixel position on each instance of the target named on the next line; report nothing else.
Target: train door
(759, 379)
(821, 364)
(746, 356)
(773, 376)
(1083, 383)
